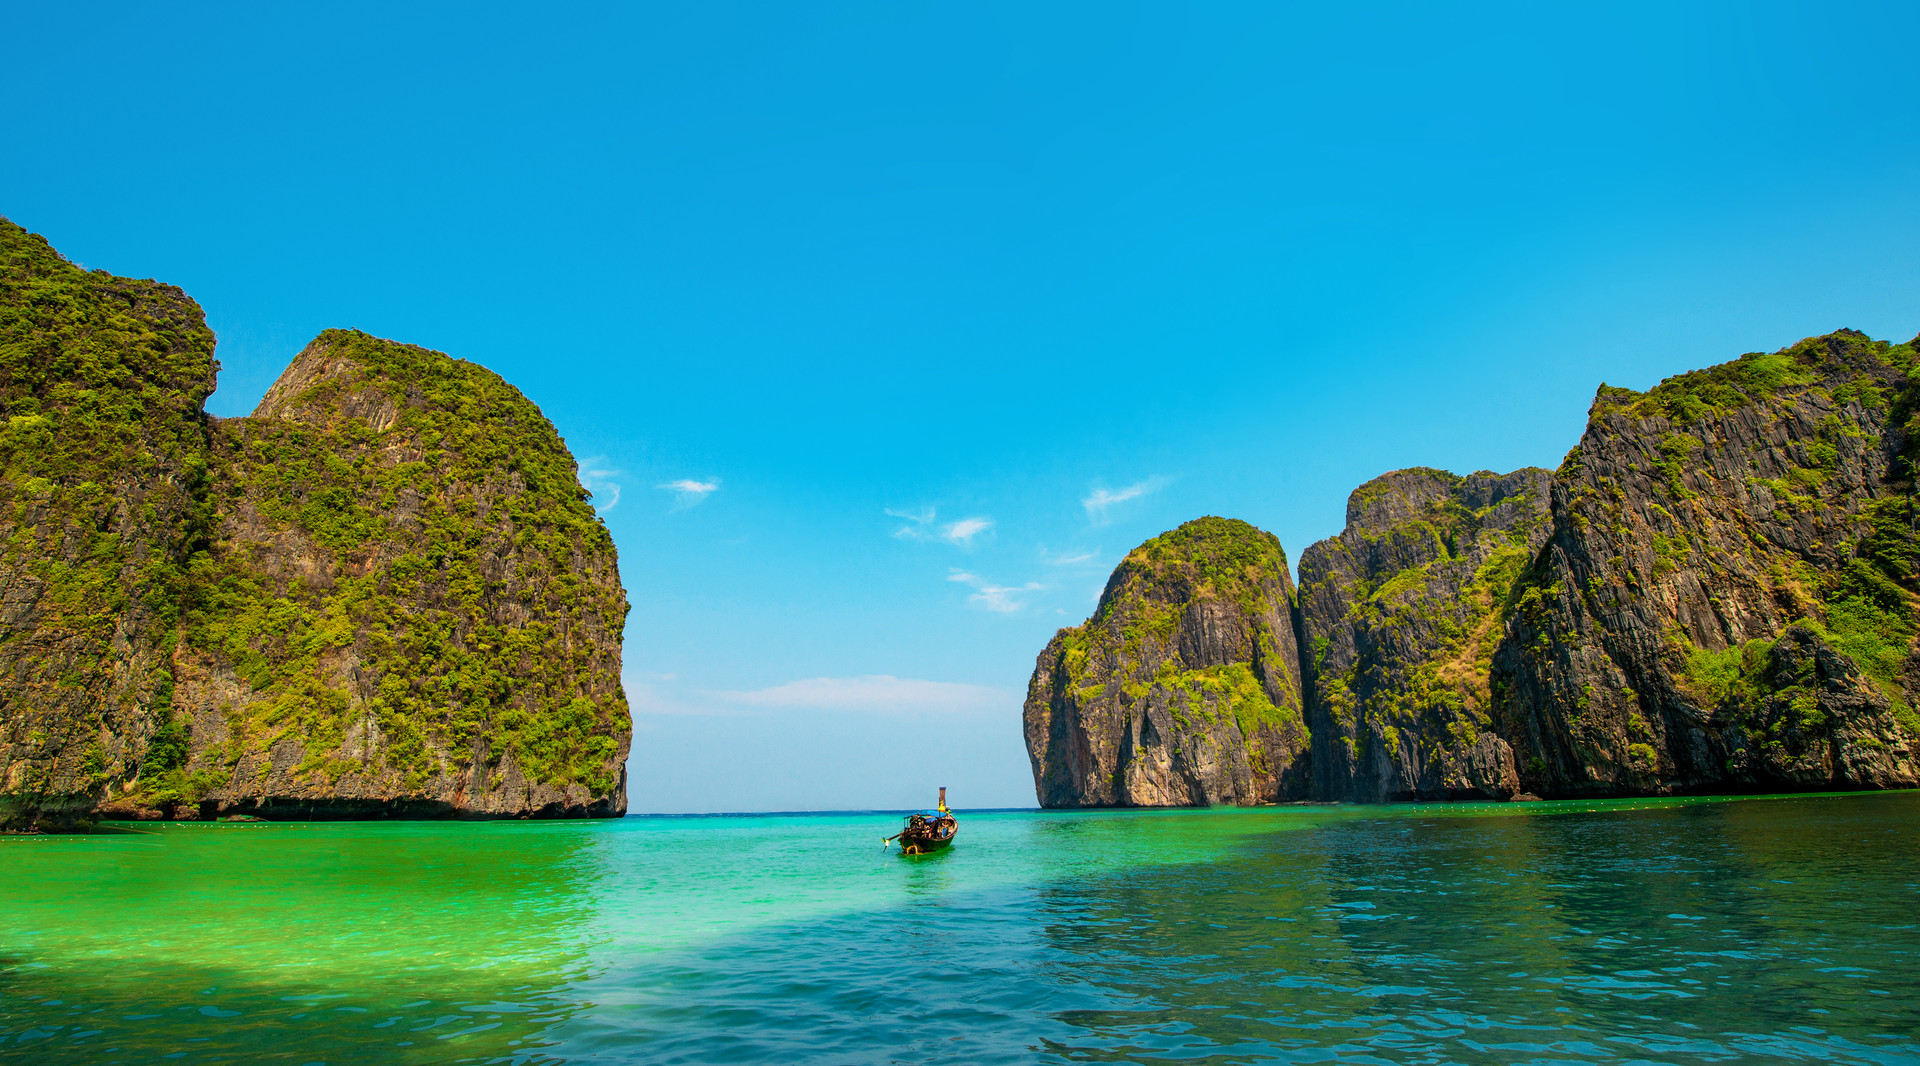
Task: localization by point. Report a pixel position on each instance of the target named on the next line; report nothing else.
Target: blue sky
(883, 330)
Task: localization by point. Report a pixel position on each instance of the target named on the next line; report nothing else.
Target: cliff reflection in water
(366, 942)
(1700, 932)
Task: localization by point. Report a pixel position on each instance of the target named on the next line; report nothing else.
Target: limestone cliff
(103, 488)
(1183, 688)
(1727, 598)
(383, 594)
(1716, 592)
(1401, 614)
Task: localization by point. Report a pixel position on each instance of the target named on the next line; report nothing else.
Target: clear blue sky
(897, 291)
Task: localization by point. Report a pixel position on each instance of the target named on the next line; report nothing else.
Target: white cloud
(661, 696)
(959, 533)
(920, 519)
(963, 531)
(1004, 599)
(688, 485)
(597, 478)
(875, 692)
(1101, 499)
(690, 493)
(1073, 557)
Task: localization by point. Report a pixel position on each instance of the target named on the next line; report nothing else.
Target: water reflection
(1652, 933)
(362, 943)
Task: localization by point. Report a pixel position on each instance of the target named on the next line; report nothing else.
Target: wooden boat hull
(922, 846)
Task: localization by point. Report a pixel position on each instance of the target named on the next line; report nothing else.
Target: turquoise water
(1779, 929)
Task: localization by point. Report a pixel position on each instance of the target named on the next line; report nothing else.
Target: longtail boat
(926, 830)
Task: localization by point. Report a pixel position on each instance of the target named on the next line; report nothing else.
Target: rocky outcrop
(1727, 600)
(103, 474)
(1716, 592)
(1183, 688)
(1401, 615)
(383, 594)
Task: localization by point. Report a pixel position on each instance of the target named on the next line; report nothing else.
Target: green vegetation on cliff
(428, 508)
(1718, 589)
(1759, 377)
(1761, 524)
(1190, 655)
(103, 466)
(1403, 612)
(1866, 609)
(1221, 557)
(1235, 690)
(1863, 603)
(386, 588)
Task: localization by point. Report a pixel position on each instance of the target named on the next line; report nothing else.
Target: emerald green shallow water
(1780, 929)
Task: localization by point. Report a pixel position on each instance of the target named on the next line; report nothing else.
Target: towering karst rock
(1183, 688)
(1401, 615)
(1727, 599)
(382, 594)
(1716, 591)
(102, 503)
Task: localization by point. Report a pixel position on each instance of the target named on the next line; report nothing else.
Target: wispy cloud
(597, 478)
(874, 692)
(963, 531)
(922, 516)
(921, 527)
(1071, 557)
(919, 520)
(659, 695)
(1101, 500)
(1004, 599)
(690, 493)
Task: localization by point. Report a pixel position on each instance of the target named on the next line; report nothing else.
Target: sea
(1699, 930)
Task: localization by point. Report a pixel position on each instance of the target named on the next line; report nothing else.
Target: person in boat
(926, 830)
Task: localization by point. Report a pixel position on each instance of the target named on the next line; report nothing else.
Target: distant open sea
(1779, 929)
